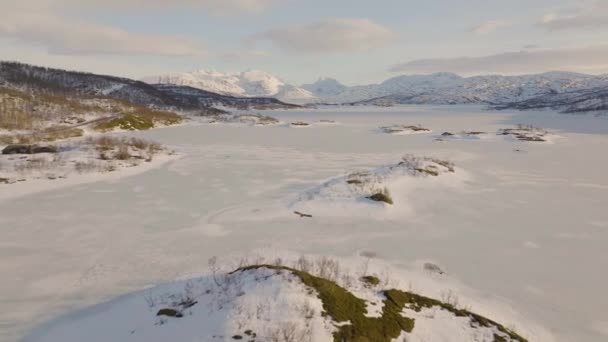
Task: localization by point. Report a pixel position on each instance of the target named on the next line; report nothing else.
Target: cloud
(329, 35)
(489, 26)
(243, 56)
(68, 36)
(593, 59)
(587, 15)
(214, 6)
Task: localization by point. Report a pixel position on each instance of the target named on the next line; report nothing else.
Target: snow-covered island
(303, 300)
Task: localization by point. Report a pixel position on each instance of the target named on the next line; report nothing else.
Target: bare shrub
(39, 164)
(288, 332)
(87, 166)
(303, 264)
(32, 164)
(124, 148)
(328, 269)
(122, 153)
(214, 268)
(449, 297)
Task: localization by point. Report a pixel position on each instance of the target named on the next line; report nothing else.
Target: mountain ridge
(436, 88)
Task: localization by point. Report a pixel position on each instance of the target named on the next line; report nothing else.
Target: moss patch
(417, 303)
(348, 310)
(130, 122)
(381, 197)
(342, 306)
(370, 280)
(139, 120)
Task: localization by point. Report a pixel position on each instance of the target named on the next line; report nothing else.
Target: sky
(354, 41)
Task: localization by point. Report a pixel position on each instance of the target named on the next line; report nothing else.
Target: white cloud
(329, 35)
(68, 36)
(593, 59)
(587, 15)
(213, 6)
(489, 26)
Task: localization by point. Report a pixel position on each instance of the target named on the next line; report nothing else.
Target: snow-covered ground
(520, 228)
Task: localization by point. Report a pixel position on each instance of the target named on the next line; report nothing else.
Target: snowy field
(520, 228)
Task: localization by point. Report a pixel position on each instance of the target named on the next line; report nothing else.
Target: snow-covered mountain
(446, 88)
(438, 88)
(325, 87)
(586, 100)
(248, 84)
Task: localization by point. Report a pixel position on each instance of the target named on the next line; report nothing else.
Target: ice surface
(525, 229)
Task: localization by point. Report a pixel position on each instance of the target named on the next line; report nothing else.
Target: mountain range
(438, 88)
(206, 91)
(83, 86)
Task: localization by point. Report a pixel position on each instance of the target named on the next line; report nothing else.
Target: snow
(261, 302)
(248, 84)
(521, 238)
(29, 174)
(438, 325)
(438, 88)
(348, 195)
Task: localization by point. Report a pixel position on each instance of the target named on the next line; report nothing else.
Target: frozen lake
(528, 227)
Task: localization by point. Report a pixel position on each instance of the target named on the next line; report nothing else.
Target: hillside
(34, 79)
(587, 100)
(445, 88)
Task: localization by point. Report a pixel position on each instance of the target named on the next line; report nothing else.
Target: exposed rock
(29, 149)
(169, 313)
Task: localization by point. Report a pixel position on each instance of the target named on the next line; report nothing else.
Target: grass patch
(525, 133)
(129, 122)
(343, 307)
(48, 134)
(370, 280)
(417, 303)
(115, 148)
(257, 119)
(429, 170)
(403, 128)
(382, 196)
(139, 120)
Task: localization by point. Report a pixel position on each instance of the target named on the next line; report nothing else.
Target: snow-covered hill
(315, 301)
(438, 88)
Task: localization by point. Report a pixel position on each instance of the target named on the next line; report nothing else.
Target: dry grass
(426, 165)
(91, 166)
(123, 148)
(39, 164)
(403, 128)
(48, 134)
